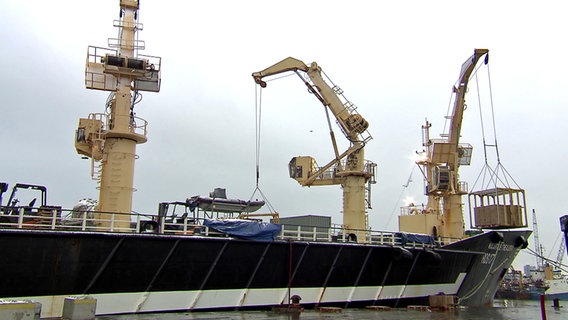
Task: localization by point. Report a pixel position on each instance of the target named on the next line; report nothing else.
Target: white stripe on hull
(115, 303)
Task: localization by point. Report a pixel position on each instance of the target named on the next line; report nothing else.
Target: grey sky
(396, 62)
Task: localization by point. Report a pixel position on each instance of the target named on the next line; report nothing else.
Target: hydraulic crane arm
(460, 91)
(352, 123)
(288, 64)
(447, 155)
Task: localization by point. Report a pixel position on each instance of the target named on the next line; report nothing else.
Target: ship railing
(54, 218)
(46, 217)
(338, 234)
(188, 226)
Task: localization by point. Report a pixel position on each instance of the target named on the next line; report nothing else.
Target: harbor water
(502, 310)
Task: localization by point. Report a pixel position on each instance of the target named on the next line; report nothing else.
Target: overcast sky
(396, 62)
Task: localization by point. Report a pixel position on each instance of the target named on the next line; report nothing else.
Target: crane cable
(560, 266)
(258, 122)
(493, 173)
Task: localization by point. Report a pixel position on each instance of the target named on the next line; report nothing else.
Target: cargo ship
(217, 253)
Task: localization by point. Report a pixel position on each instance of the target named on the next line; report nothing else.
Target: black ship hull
(131, 273)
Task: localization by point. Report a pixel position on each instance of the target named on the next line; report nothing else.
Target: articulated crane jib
(348, 169)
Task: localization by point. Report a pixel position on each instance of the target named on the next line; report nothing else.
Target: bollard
(79, 308)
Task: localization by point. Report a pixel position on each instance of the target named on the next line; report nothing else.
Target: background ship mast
(537, 246)
(110, 138)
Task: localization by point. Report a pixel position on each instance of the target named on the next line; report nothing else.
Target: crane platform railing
(370, 168)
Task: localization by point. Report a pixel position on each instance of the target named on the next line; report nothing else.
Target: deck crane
(495, 206)
(443, 215)
(349, 168)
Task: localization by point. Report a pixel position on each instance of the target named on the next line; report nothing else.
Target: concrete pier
(19, 310)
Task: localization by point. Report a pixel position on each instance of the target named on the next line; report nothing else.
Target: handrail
(57, 219)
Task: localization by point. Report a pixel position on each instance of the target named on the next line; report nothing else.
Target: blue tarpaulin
(246, 229)
(413, 237)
